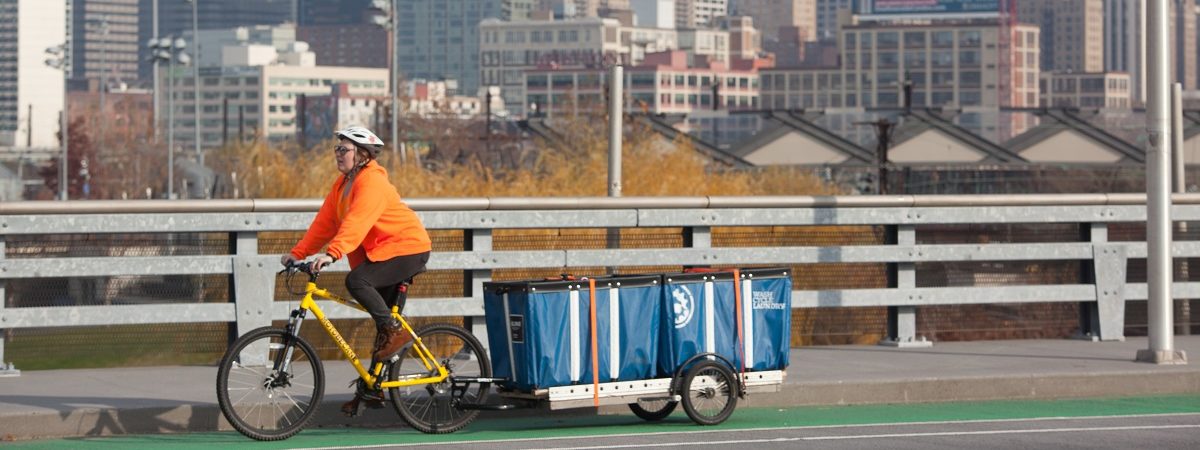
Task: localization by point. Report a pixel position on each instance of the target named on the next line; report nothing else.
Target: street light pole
(103, 79)
(60, 58)
(386, 17)
(151, 44)
(196, 81)
(395, 84)
(1159, 262)
(170, 127)
(63, 166)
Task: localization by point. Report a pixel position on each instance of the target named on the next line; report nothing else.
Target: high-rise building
(343, 46)
(508, 49)
(827, 17)
(212, 42)
(31, 92)
(771, 16)
(175, 17)
(105, 42)
(1125, 37)
(946, 64)
(264, 96)
(1072, 33)
(333, 12)
(699, 13)
(1183, 42)
(1086, 90)
(440, 40)
(585, 8)
(654, 13)
(517, 9)
(1123, 33)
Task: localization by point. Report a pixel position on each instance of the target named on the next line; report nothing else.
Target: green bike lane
(498, 428)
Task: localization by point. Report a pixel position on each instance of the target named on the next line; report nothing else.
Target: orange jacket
(370, 223)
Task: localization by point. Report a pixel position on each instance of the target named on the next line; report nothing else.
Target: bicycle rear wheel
(431, 408)
(269, 384)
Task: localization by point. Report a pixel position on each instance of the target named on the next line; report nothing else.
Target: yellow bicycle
(270, 381)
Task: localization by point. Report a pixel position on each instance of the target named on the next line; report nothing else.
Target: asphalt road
(1159, 423)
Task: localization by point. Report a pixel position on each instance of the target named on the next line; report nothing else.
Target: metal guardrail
(253, 274)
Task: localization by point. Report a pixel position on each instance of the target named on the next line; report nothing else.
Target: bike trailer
(702, 312)
(551, 333)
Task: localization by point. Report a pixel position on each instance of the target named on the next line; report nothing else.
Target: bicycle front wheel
(432, 408)
(269, 384)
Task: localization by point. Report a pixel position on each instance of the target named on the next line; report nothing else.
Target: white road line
(873, 436)
(739, 430)
(1016, 431)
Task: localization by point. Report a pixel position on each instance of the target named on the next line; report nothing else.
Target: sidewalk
(65, 403)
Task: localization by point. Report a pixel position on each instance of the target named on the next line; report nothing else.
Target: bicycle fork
(283, 361)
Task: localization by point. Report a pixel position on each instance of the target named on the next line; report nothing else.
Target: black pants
(374, 284)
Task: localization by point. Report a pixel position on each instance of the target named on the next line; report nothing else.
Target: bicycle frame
(311, 291)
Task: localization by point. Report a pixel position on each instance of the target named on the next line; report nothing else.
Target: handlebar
(293, 267)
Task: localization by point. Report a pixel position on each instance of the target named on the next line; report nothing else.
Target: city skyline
(1080, 44)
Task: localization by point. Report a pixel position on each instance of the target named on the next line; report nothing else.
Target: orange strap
(595, 345)
(737, 305)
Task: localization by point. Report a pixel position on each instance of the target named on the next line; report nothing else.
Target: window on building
(887, 39)
(562, 81)
(969, 38)
(914, 39)
(942, 38)
(534, 81)
(943, 78)
(888, 60)
(887, 77)
(1091, 85)
(914, 59)
(970, 98)
(969, 78)
(642, 79)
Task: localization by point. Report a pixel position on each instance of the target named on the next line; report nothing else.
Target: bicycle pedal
(353, 408)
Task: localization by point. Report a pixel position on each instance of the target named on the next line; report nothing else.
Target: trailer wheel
(654, 410)
(710, 392)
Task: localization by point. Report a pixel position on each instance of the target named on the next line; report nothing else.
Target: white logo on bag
(766, 300)
(684, 305)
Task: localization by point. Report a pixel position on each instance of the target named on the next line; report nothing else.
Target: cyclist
(364, 220)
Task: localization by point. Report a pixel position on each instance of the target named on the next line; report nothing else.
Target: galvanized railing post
(253, 284)
(1110, 265)
(697, 237)
(1089, 313)
(6, 368)
(902, 320)
(476, 240)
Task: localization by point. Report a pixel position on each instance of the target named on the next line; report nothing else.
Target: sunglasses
(339, 150)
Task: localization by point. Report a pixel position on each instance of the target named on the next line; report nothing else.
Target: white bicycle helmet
(362, 137)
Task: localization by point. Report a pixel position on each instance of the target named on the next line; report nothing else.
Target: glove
(287, 260)
(321, 262)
